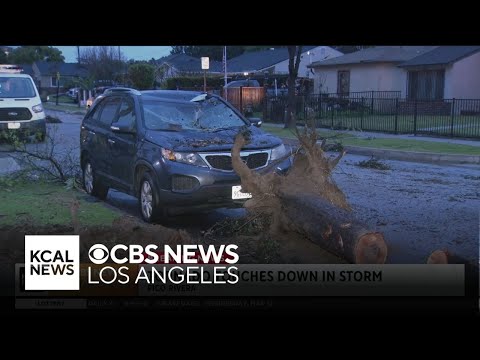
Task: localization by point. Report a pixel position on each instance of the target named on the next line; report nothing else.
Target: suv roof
(176, 95)
(181, 95)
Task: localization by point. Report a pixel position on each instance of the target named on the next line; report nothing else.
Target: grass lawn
(42, 203)
(463, 126)
(388, 143)
(61, 98)
(66, 108)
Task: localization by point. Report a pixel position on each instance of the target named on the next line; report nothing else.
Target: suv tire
(148, 199)
(91, 184)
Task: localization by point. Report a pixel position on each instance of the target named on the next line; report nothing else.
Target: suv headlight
(186, 158)
(37, 108)
(279, 152)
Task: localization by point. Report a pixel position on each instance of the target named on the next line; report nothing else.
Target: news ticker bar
(263, 280)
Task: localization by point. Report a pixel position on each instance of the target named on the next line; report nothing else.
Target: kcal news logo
(52, 262)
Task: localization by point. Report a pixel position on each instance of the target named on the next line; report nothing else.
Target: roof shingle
(378, 54)
(258, 60)
(442, 55)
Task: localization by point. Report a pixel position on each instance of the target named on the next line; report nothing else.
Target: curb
(411, 156)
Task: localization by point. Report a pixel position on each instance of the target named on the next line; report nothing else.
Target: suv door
(99, 128)
(89, 141)
(123, 145)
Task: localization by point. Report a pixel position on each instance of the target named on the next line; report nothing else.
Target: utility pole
(78, 55)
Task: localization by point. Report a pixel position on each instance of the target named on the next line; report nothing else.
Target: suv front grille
(224, 162)
(13, 114)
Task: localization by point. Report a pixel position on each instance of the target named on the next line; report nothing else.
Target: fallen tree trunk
(334, 229)
(445, 257)
(308, 202)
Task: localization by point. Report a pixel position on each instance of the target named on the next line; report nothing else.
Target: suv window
(126, 114)
(210, 114)
(94, 115)
(109, 111)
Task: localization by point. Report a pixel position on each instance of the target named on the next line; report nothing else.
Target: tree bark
(334, 229)
(294, 57)
(445, 257)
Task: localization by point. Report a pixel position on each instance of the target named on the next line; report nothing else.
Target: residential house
(275, 61)
(446, 72)
(372, 69)
(46, 73)
(183, 65)
(415, 72)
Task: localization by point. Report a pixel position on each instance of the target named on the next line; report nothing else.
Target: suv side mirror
(122, 128)
(255, 122)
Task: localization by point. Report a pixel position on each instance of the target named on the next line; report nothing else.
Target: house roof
(187, 63)
(65, 69)
(377, 54)
(442, 55)
(258, 60)
(27, 69)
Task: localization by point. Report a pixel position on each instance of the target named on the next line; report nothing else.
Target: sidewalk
(365, 134)
(402, 155)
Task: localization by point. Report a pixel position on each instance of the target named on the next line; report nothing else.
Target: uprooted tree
(307, 201)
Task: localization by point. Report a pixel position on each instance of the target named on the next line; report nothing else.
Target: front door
(343, 82)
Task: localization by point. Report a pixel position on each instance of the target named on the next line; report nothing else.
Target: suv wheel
(148, 199)
(91, 185)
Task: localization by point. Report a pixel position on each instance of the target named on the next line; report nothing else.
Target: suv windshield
(210, 114)
(16, 87)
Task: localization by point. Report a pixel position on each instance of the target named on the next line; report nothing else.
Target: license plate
(238, 194)
(13, 125)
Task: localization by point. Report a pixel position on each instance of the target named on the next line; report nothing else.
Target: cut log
(334, 229)
(445, 257)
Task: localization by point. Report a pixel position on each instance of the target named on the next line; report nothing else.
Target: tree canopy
(30, 54)
(214, 52)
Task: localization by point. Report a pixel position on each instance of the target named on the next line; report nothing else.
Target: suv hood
(198, 141)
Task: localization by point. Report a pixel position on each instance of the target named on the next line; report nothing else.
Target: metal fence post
(333, 109)
(371, 108)
(453, 117)
(415, 118)
(361, 114)
(320, 106)
(396, 115)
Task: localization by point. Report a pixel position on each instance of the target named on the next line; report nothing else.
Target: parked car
(21, 109)
(73, 92)
(171, 149)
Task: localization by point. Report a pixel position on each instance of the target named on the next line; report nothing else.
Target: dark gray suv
(170, 149)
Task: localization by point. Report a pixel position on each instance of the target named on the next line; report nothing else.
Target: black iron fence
(382, 111)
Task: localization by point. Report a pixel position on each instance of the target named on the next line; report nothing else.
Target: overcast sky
(130, 52)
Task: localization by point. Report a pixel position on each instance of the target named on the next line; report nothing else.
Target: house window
(54, 81)
(426, 84)
(343, 82)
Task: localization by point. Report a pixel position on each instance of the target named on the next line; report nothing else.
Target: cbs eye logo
(98, 254)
